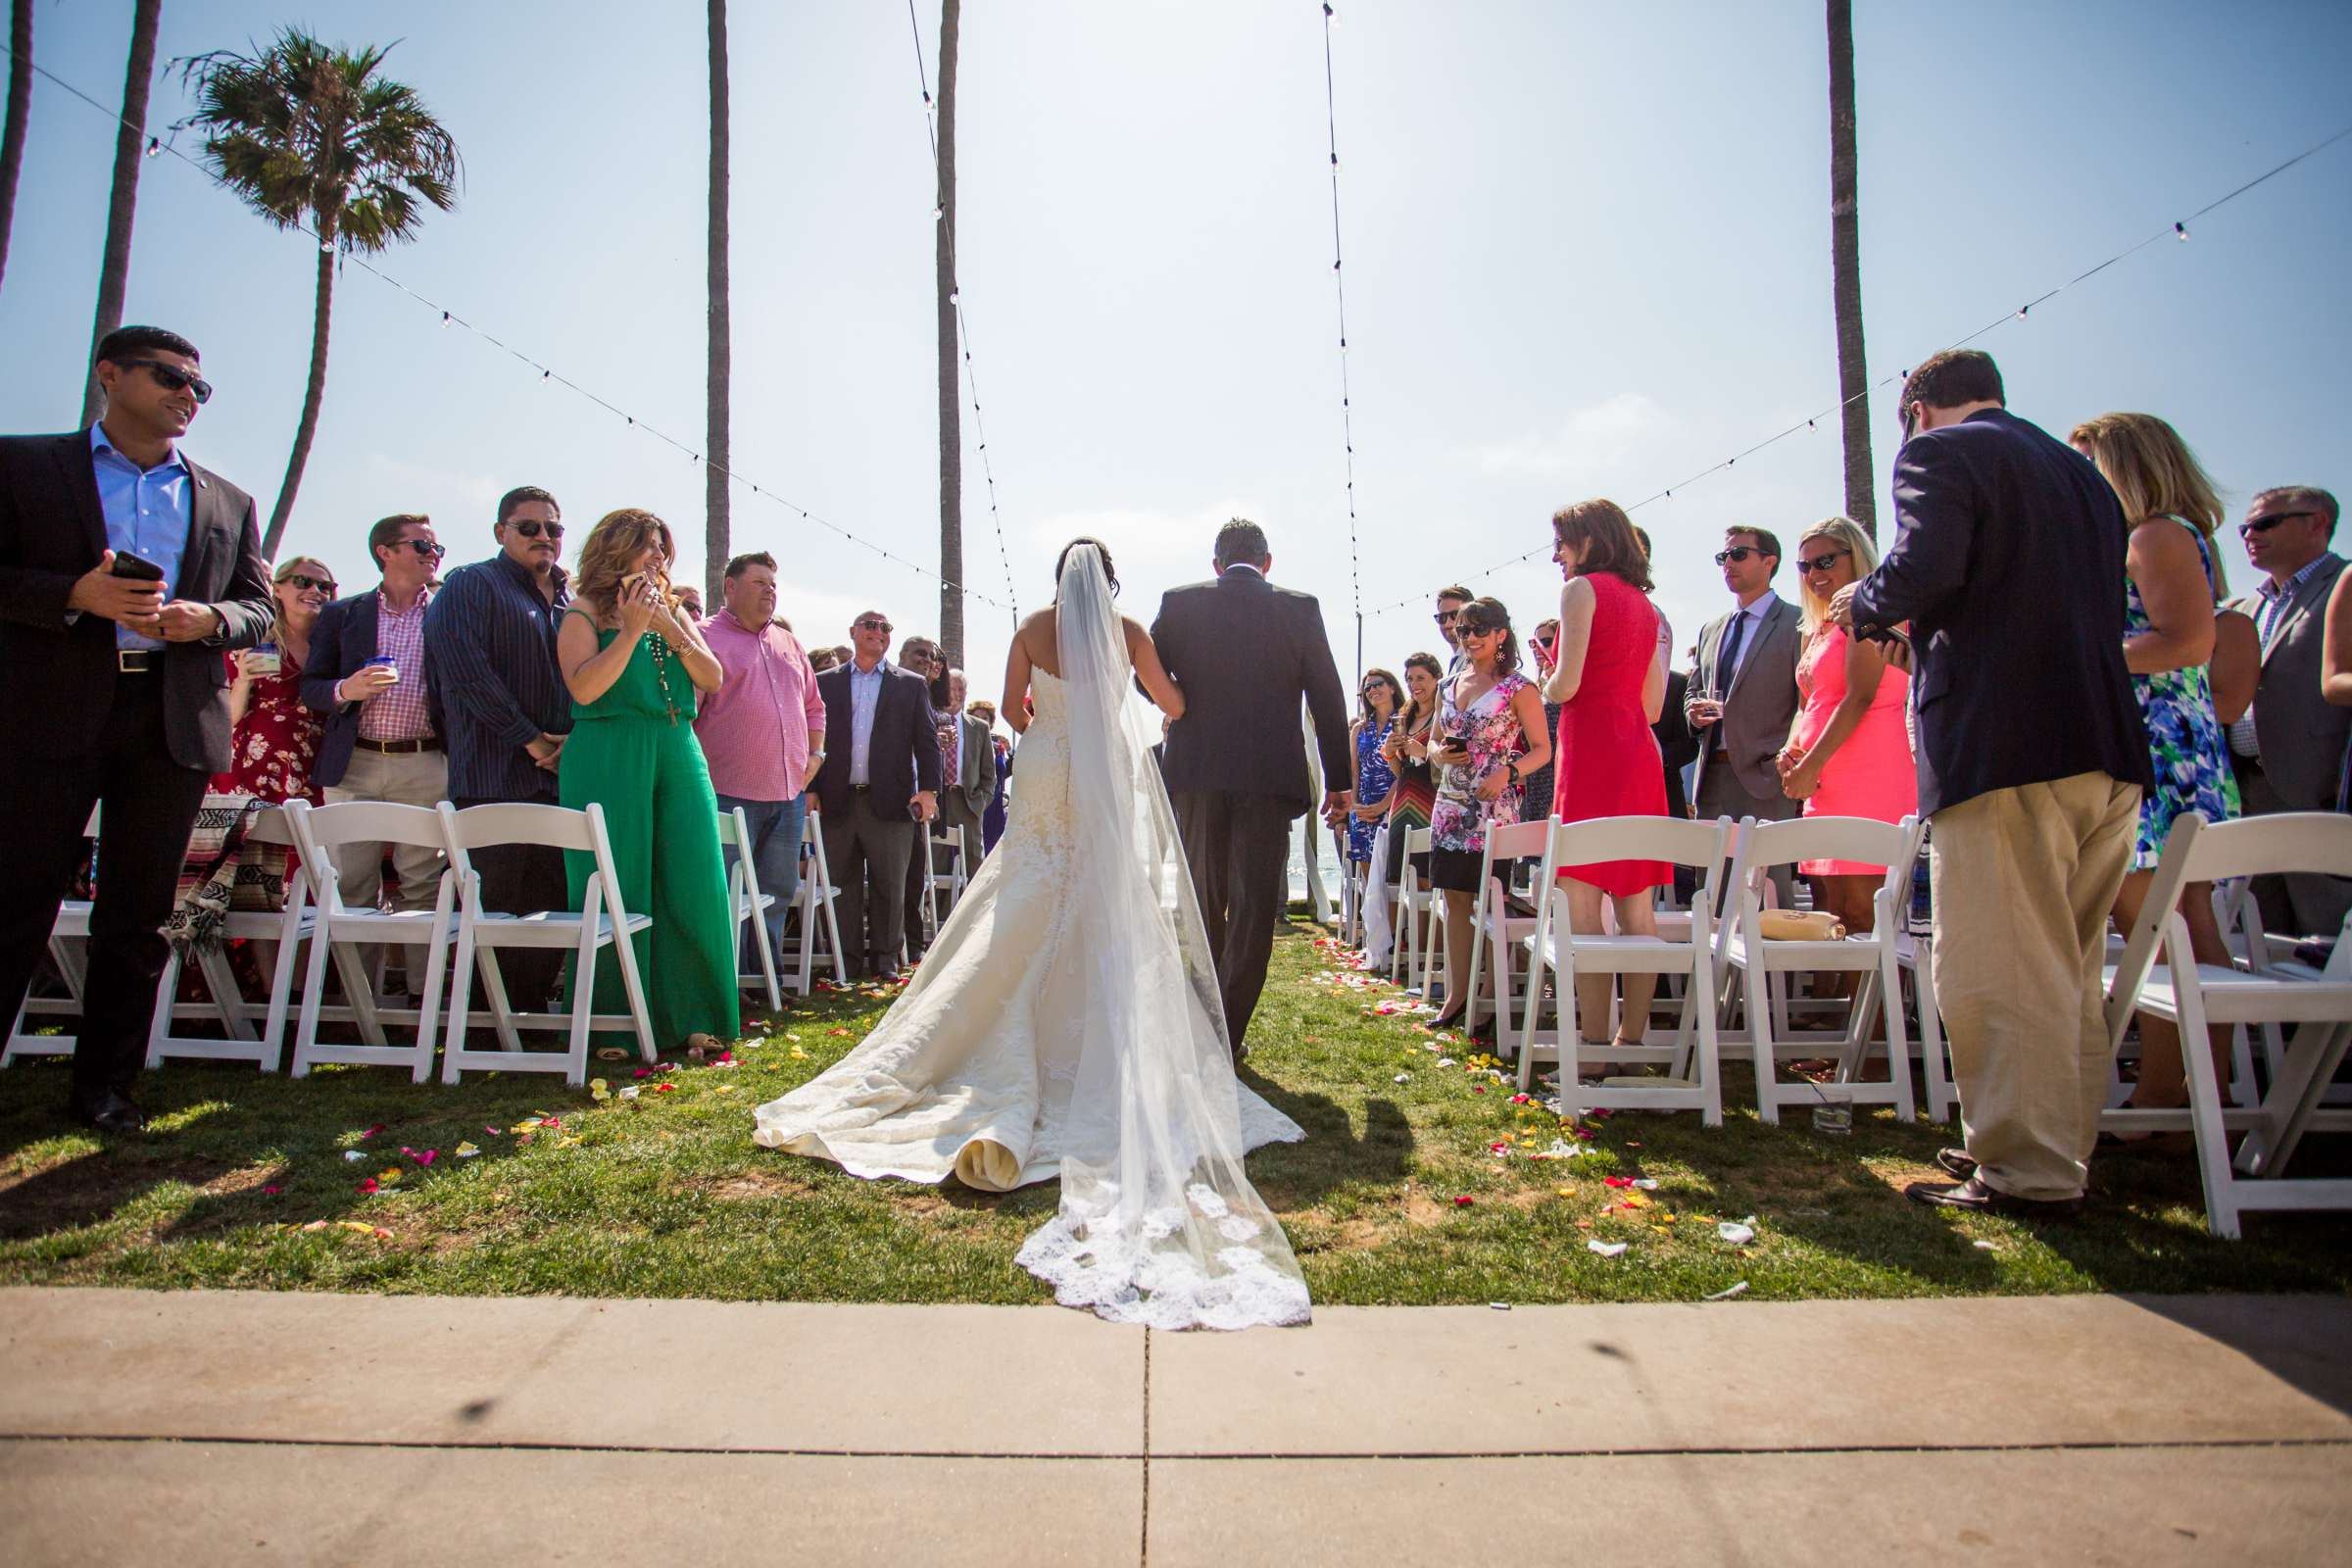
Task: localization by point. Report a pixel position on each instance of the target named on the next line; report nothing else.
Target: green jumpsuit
(633, 751)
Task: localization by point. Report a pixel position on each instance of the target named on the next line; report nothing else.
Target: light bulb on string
(326, 247)
(2180, 231)
(154, 145)
(955, 297)
(938, 213)
(2022, 309)
(445, 319)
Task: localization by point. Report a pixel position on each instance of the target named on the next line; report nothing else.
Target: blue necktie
(1727, 656)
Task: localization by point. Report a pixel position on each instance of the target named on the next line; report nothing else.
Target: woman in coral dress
(1848, 753)
(1610, 678)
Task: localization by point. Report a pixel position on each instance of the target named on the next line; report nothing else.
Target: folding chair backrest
(321, 829)
(1862, 839)
(1416, 841)
(269, 825)
(558, 827)
(1672, 839)
(2315, 842)
(1517, 841)
(2146, 936)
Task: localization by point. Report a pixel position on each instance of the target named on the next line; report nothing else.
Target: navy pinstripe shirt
(490, 651)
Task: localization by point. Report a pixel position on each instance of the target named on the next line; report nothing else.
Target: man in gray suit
(2289, 748)
(1743, 700)
(964, 803)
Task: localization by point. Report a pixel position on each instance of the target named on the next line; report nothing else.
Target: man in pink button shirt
(762, 731)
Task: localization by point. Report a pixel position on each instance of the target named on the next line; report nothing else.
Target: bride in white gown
(1068, 1022)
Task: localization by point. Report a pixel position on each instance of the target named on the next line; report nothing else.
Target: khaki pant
(2023, 881)
(408, 778)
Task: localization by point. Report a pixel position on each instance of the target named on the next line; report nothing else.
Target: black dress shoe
(110, 1114)
(1977, 1198)
(1958, 1161)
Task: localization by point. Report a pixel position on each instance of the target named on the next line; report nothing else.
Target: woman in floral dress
(1491, 738)
(275, 741)
(2173, 579)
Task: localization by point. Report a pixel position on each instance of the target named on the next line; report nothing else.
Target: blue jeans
(775, 847)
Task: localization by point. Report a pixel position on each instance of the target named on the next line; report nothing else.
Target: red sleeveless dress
(1608, 763)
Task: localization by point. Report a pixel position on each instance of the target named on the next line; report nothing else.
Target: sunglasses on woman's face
(1820, 563)
(1473, 629)
(529, 528)
(303, 582)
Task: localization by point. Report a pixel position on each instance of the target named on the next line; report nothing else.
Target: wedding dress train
(1066, 1022)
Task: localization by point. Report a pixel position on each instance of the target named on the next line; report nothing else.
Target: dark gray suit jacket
(1760, 707)
(1246, 654)
(62, 671)
(2302, 736)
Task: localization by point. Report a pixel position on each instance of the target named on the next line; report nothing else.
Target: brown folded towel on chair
(1803, 925)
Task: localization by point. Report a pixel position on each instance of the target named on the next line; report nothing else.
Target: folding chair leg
(1898, 1042)
(461, 1006)
(2296, 1092)
(1760, 1033)
(583, 1006)
(2205, 1100)
(1932, 1060)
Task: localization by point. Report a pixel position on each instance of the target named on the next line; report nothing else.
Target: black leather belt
(139, 660)
(430, 742)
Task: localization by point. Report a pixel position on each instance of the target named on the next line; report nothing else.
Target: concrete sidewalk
(220, 1427)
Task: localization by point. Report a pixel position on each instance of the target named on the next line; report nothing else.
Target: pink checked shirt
(755, 730)
(398, 713)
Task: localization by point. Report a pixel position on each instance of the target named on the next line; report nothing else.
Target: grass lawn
(664, 1193)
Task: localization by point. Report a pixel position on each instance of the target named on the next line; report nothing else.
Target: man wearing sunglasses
(2288, 750)
(878, 786)
(383, 739)
(490, 659)
(1451, 601)
(125, 570)
(1743, 699)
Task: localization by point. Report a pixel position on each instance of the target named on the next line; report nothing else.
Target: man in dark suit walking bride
(1246, 653)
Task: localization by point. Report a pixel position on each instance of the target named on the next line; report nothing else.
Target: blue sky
(1587, 253)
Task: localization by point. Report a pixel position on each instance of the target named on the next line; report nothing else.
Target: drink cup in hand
(1706, 710)
(263, 658)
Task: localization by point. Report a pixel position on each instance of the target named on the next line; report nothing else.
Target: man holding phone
(125, 570)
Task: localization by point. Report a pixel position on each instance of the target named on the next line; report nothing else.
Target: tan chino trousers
(2023, 880)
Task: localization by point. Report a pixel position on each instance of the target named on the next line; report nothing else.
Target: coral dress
(1607, 763)
(1872, 774)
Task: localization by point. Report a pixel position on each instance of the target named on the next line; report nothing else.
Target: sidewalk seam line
(1235, 1458)
(1144, 1551)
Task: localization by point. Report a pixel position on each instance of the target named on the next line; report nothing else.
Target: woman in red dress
(1610, 677)
(275, 742)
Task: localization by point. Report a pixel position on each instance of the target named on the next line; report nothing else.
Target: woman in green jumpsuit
(633, 661)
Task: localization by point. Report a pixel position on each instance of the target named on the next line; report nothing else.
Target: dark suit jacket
(1246, 652)
(2300, 734)
(62, 674)
(344, 640)
(1760, 707)
(1678, 743)
(2009, 564)
(902, 754)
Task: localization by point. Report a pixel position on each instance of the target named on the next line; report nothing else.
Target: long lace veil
(1157, 1223)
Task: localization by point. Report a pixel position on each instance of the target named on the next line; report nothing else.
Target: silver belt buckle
(133, 660)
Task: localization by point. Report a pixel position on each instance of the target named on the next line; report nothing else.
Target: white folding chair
(602, 921)
(286, 929)
(950, 880)
(1420, 924)
(751, 906)
(1915, 955)
(817, 931)
(343, 932)
(1873, 955)
(69, 950)
(1496, 929)
(2194, 995)
(1555, 950)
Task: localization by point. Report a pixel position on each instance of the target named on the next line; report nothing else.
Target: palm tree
(315, 139)
(951, 424)
(1845, 270)
(716, 395)
(20, 104)
(114, 270)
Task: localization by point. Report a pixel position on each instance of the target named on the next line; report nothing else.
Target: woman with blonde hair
(633, 661)
(2173, 579)
(1848, 753)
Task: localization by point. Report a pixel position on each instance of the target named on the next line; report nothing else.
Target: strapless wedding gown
(977, 1072)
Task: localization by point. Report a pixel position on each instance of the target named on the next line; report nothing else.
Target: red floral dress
(270, 757)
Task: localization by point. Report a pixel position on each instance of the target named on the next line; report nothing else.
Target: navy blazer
(902, 753)
(344, 640)
(2009, 566)
(62, 667)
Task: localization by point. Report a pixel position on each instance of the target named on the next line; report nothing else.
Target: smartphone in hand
(137, 568)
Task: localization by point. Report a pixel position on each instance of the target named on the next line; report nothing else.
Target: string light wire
(963, 328)
(2176, 230)
(1339, 283)
(450, 319)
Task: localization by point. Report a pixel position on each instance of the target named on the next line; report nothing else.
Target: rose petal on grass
(1736, 1234)
(1604, 1248)
(355, 1155)
(1727, 1293)
(369, 1186)
(1464, 1202)
(1648, 1184)
(466, 1150)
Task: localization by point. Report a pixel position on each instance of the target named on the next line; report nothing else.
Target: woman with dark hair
(1379, 701)
(1610, 680)
(1490, 725)
(1406, 751)
(633, 662)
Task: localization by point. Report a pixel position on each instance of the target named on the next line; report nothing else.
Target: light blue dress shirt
(865, 695)
(147, 510)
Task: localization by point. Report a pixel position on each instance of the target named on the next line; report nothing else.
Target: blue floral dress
(2185, 741)
(1491, 727)
(1373, 780)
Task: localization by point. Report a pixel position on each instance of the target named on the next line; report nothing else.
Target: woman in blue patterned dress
(2173, 579)
(1379, 701)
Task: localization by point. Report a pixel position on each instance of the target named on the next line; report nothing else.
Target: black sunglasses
(433, 552)
(1447, 618)
(172, 378)
(870, 623)
(1822, 562)
(529, 528)
(2254, 525)
(302, 580)
(1476, 628)
(1736, 553)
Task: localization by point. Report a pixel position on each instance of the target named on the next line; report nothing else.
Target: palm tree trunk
(320, 316)
(950, 421)
(716, 395)
(114, 271)
(1845, 268)
(20, 104)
